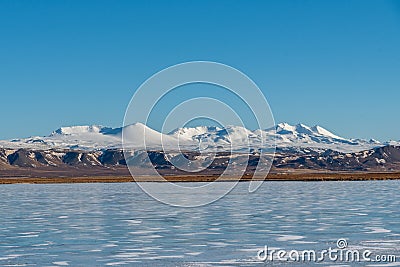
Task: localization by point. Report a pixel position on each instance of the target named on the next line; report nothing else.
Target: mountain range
(97, 151)
(285, 136)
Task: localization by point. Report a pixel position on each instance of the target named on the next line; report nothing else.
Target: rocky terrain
(68, 163)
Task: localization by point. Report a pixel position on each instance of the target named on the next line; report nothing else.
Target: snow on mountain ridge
(285, 128)
(323, 131)
(189, 132)
(235, 137)
(138, 135)
(79, 129)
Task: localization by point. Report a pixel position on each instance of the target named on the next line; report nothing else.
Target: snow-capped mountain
(284, 135)
(301, 129)
(317, 137)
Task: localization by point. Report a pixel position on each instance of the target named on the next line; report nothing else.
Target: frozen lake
(118, 224)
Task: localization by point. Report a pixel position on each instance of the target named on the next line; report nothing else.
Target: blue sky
(332, 63)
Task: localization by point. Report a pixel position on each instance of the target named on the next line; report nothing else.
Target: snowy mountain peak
(318, 129)
(141, 136)
(285, 128)
(302, 129)
(137, 124)
(188, 132)
(73, 130)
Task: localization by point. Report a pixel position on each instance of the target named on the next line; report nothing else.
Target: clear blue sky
(333, 63)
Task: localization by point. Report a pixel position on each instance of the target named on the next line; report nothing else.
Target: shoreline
(301, 177)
